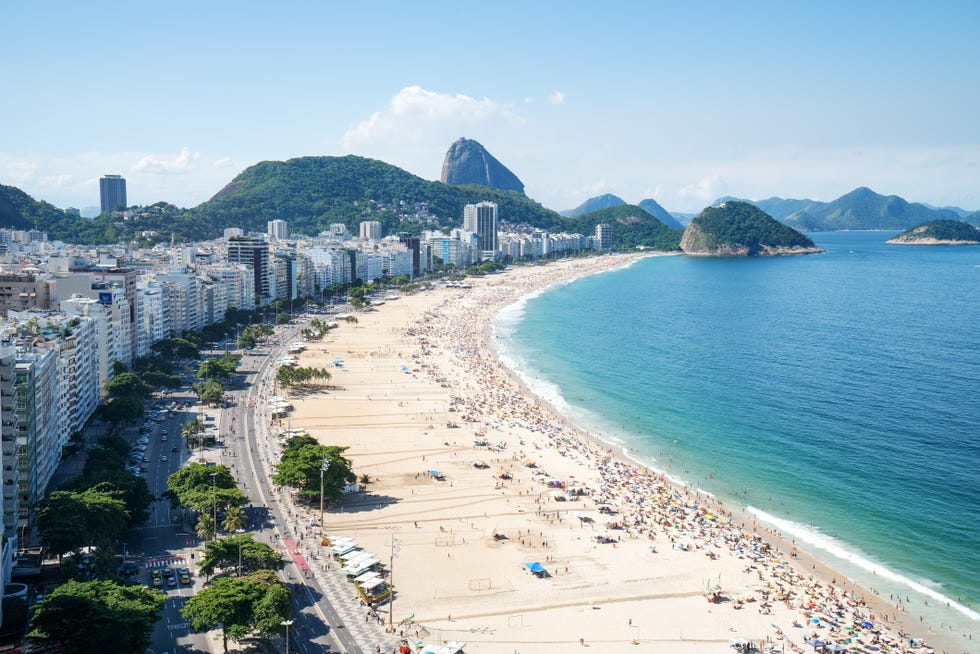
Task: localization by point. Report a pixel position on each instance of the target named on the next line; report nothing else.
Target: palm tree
(234, 520)
(205, 527)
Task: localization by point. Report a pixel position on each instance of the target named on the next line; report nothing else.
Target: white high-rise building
(481, 219)
(278, 230)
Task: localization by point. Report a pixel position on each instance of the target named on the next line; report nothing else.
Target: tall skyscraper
(278, 230)
(481, 219)
(112, 189)
(254, 252)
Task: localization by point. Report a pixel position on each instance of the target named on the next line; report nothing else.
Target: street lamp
(286, 624)
(395, 547)
(324, 466)
(214, 502)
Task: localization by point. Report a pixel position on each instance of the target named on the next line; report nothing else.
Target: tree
(122, 409)
(234, 520)
(205, 527)
(209, 390)
(127, 384)
(299, 468)
(222, 555)
(240, 606)
(194, 487)
(69, 521)
(176, 348)
(94, 617)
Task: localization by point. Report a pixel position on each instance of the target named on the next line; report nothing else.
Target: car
(163, 432)
(185, 579)
(163, 459)
(174, 449)
(163, 438)
(183, 571)
(167, 572)
(172, 582)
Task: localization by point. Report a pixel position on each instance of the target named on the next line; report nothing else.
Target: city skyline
(679, 103)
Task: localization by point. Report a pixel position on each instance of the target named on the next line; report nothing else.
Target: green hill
(940, 232)
(631, 226)
(653, 208)
(603, 201)
(18, 210)
(311, 193)
(742, 229)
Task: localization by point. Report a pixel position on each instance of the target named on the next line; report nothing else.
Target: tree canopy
(194, 487)
(222, 555)
(240, 606)
(300, 463)
(95, 617)
(71, 520)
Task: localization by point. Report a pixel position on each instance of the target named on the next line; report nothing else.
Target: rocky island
(740, 229)
(939, 232)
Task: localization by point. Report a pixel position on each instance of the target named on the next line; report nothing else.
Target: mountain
(468, 162)
(940, 232)
(742, 229)
(862, 208)
(593, 204)
(631, 226)
(314, 192)
(18, 210)
(962, 213)
(653, 208)
(973, 219)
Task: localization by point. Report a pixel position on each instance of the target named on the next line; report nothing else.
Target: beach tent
(816, 643)
(536, 569)
(435, 474)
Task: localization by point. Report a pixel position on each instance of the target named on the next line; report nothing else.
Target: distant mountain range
(314, 192)
(862, 208)
(608, 200)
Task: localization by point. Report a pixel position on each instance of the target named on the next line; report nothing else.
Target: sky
(679, 101)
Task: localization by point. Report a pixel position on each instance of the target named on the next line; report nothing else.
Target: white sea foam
(840, 550)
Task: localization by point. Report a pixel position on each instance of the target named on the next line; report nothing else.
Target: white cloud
(180, 164)
(705, 191)
(223, 161)
(556, 98)
(20, 172)
(415, 113)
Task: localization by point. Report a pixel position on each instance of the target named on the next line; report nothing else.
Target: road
(327, 617)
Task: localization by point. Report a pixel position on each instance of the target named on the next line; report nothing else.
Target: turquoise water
(835, 396)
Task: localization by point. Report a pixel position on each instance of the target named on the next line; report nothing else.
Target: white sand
(451, 574)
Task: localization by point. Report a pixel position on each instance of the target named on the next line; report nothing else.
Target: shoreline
(372, 452)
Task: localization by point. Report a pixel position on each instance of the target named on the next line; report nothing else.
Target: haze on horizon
(681, 102)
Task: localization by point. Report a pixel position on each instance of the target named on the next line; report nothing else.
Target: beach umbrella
(816, 643)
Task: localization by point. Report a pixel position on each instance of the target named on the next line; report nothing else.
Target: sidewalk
(306, 561)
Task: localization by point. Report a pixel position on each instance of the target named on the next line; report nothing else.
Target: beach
(474, 480)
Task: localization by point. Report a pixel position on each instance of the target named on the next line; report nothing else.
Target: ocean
(836, 397)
